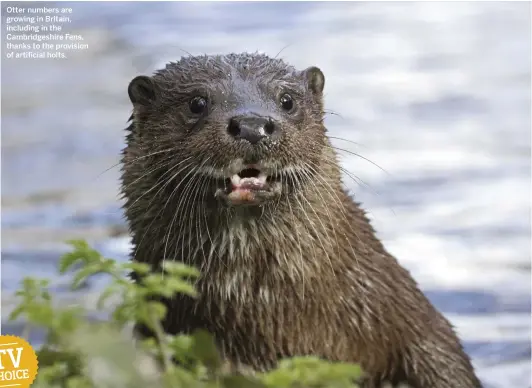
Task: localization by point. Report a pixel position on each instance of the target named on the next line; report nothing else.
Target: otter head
(243, 129)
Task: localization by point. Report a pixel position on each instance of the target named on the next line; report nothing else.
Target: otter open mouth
(249, 179)
(250, 186)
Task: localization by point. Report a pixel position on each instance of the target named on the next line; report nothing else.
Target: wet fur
(303, 275)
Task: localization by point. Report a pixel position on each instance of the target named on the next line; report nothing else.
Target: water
(437, 94)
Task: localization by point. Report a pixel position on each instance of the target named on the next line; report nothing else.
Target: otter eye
(197, 105)
(286, 102)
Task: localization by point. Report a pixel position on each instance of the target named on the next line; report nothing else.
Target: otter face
(248, 127)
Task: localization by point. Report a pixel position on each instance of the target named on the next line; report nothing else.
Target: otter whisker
(160, 181)
(169, 171)
(332, 113)
(359, 156)
(284, 48)
(346, 140)
(185, 208)
(357, 180)
(205, 266)
(278, 201)
(182, 199)
(310, 222)
(327, 161)
(324, 229)
(183, 202)
(195, 207)
(208, 182)
(324, 203)
(199, 196)
(298, 237)
(343, 213)
(162, 207)
(124, 163)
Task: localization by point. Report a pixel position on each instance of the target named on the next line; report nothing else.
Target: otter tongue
(252, 183)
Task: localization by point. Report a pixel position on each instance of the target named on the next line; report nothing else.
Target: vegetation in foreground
(79, 353)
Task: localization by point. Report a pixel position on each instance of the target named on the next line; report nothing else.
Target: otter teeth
(237, 181)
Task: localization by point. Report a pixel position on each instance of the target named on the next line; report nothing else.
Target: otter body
(228, 168)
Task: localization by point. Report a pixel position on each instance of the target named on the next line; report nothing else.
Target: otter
(228, 167)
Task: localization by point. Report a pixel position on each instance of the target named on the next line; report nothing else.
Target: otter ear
(315, 79)
(142, 90)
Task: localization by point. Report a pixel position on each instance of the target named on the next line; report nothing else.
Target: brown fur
(302, 275)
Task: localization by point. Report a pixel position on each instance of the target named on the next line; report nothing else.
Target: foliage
(79, 353)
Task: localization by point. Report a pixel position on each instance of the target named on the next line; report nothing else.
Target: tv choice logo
(18, 362)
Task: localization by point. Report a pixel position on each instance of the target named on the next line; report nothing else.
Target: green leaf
(205, 349)
(106, 294)
(82, 252)
(241, 382)
(181, 269)
(139, 268)
(19, 310)
(84, 273)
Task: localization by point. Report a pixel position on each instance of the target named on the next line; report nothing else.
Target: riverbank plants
(83, 352)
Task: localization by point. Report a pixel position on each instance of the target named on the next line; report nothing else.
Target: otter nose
(251, 128)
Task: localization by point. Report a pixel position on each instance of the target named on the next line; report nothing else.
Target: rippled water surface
(436, 94)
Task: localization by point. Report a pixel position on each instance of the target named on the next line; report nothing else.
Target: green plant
(79, 353)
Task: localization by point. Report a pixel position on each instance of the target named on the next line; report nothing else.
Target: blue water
(437, 94)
